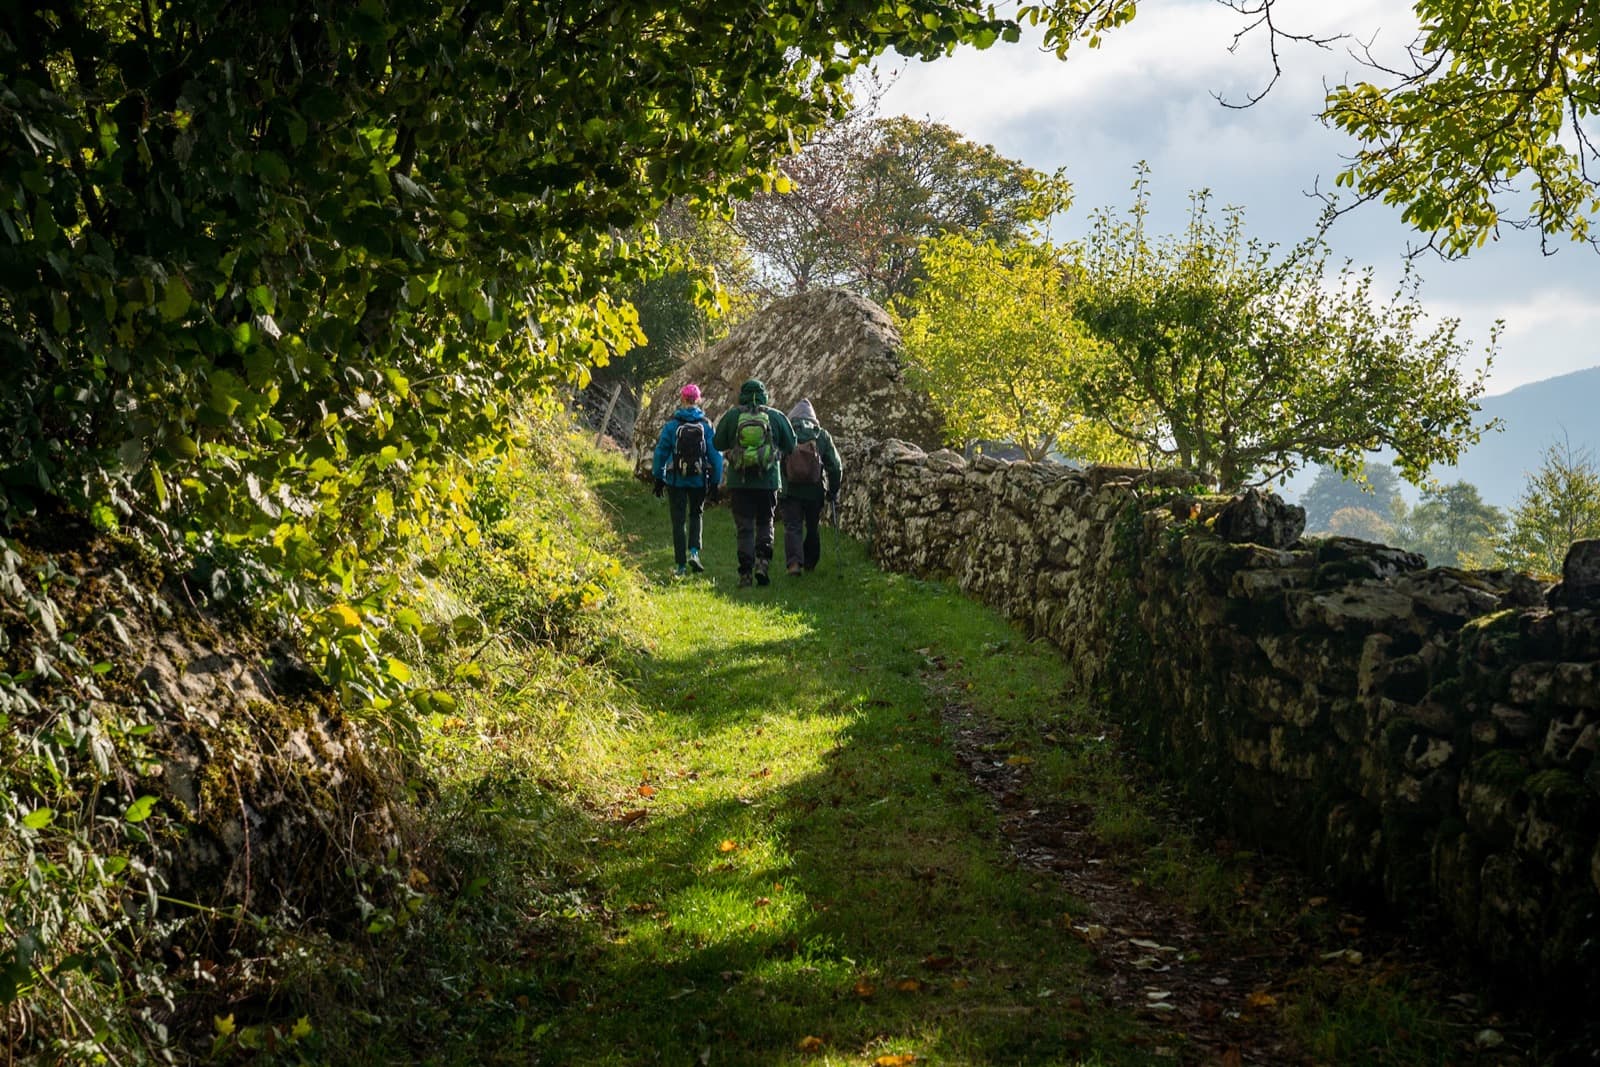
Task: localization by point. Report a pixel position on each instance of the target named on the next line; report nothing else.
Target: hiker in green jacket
(811, 475)
(753, 439)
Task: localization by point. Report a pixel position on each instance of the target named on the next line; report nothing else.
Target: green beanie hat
(753, 392)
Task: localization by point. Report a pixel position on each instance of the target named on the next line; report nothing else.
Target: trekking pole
(833, 519)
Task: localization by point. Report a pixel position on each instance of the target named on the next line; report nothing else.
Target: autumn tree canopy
(859, 199)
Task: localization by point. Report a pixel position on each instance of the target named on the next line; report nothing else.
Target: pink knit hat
(691, 393)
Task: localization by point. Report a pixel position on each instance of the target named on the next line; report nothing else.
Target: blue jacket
(668, 441)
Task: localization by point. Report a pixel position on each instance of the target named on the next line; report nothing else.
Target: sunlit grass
(753, 844)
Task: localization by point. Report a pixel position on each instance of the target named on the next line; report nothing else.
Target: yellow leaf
(809, 1044)
(908, 985)
(895, 1061)
(1261, 1000)
(345, 617)
(647, 791)
(728, 846)
(301, 1029)
(1019, 761)
(224, 1025)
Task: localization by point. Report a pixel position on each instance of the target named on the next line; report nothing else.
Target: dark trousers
(752, 521)
(686, 507)
(802, 541)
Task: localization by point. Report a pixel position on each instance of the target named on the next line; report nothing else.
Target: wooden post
(605, 420)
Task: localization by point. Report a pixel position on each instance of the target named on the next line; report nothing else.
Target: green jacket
(808, 429)
(725, 439)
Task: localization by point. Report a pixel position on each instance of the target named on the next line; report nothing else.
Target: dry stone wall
(1427, 735)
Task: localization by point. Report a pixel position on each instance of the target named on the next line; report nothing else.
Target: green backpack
(752, 452)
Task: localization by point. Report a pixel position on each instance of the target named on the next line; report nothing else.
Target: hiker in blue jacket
(689, 470)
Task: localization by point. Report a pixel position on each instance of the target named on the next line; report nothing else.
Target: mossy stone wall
(1423, 736)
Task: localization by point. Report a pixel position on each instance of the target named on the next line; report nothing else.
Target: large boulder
(837, 349)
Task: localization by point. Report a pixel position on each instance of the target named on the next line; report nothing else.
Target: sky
(1148, 93)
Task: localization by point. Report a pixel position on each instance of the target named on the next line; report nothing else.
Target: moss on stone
(1501, 767)
(1556, 790)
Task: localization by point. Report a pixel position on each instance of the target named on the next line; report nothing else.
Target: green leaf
(175, 299)
(140, 809)
(38, 819)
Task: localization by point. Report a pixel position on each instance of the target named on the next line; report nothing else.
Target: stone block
(1363, 608)
(1570, 741)
(1260, 518)
(1576, 685)
(1580, 577)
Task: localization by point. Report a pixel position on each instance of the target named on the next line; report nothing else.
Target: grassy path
(859, 822)
(796, 869)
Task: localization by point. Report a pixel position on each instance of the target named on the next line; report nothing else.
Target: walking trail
(864, 822)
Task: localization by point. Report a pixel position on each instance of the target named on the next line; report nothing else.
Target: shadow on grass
(879, 911)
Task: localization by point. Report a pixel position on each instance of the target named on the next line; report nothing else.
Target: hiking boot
(680, 570)
(694, 561)
(761, 572)
(744, 580)
(794, 569)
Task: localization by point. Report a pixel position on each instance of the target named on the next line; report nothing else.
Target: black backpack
(689, 450)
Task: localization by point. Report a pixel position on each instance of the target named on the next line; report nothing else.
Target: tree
(1377, 490)
(1453, 527)
(862, 196)
(280, 275)
(705, 284)
(1560, 505)
(1364, 523)
(991, 337)
(1491, 109)
(1256, 363)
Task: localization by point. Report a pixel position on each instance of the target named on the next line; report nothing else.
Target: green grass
(812, 864)
(740, 836)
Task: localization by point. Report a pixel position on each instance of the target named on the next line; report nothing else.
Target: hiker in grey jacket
(753, 439)
(812, 474)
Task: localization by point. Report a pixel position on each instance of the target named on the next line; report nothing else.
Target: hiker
(811, 475)
(753, 439)
(689, 470)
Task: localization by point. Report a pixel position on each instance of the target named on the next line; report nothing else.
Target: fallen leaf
(628, 818)
(1316, 902)
(762, 902)
(728, 846)
(938, 963)
(647, 791)
(1233, 1057)
(959, 983)
(1019, 761)
(1260, 999)
(865, 989)
(908, 985)
(895, 1061)
(764, 772)
(809, 1044)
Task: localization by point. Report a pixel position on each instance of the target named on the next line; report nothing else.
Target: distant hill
(1536, 416)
